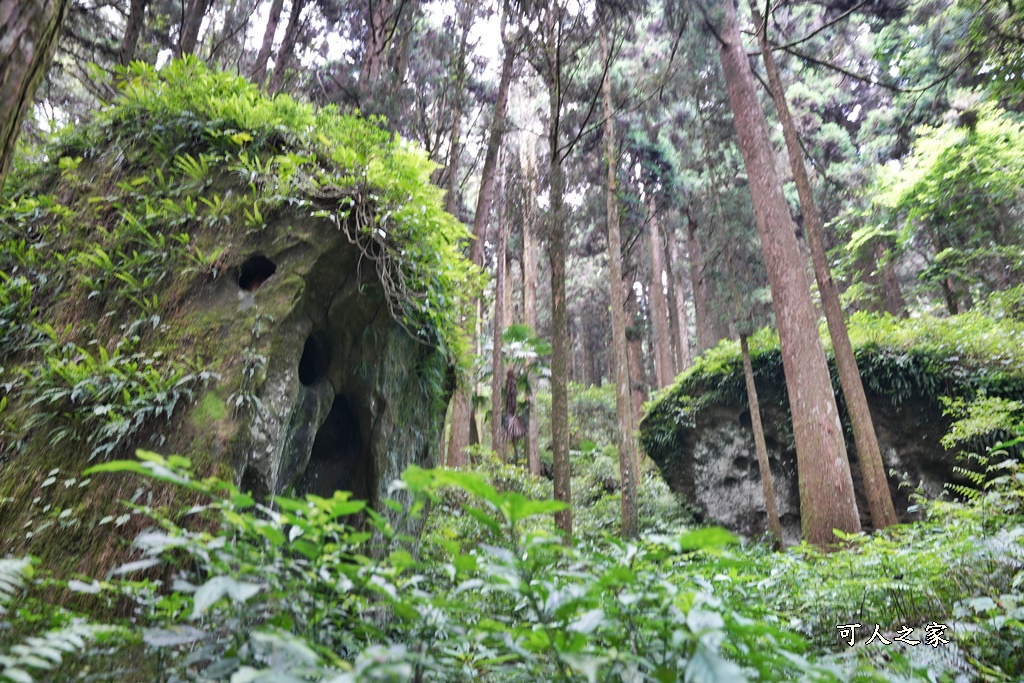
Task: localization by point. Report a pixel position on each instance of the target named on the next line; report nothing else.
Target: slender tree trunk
(191, 23)
(530, 309)
(826, 487)
(557, 250)
(376, 42)
(455, 152)
(659, 308)
(259, 69)
(679, 301)
(706, 336)
(876, 486)
(132, 31)
(673, 308)
(29, 30)
(285, 53)
(767, 483)
(463, 398)
(893, 297)
(509, 309)
(634, 339)
(497, 367)
(623, 405)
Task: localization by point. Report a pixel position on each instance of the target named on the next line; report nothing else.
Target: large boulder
(699, 431)
(200, 270)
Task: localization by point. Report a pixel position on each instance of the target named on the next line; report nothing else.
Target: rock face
(714, 464)
(699, 432)
(350, 398)
(259, 287)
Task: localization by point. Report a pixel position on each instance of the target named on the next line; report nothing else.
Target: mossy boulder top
(264, 288)
(698, 431)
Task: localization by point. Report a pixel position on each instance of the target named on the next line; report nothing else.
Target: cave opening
(341, 458)
(316, 358)
(255, 271)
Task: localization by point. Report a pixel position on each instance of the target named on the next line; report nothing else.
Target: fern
(47, 652)
(13, 574)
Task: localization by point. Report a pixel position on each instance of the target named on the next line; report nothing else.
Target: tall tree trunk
(893, 297)
(497, 367)
(29, 30)
(462, 407)
(767, 483)
(557, 250)
(634, 339)
(679, 300)
(530, 308)
(191, 23)
(284, 54)
(673, 308)
(259, 69)
(455, 151)
(623, 405)
(132, 31)
(376, 43)
(706, 336)
(826, 487)
(876, 486)
(663, 364)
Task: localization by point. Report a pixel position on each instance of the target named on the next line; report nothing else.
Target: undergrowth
(235, 590)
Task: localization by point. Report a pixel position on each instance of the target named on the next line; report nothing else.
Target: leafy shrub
(103, 400)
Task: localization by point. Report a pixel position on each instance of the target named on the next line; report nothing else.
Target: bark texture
(259, 69)
(497, 368)
(876, 485)
(623, 405)
(767, 483)
(826, 487)
(679, 303)
(894, 302)
(29, 30)
(462, 400)
(663, 364)
(191, 23)
(557, 250)
(284, 54)
(634, 339)
(132, 31)
(707, 333)
(530, 307)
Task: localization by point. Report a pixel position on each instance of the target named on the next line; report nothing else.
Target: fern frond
(14, 572)
(46, 652)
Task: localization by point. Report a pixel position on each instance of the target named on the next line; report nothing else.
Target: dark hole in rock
(730, 481)
(745, 419)
(740, 463)
(252, 484)
(340, 460)
(316, 358)
(255, 271)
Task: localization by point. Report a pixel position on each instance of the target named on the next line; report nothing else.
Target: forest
(511, 340)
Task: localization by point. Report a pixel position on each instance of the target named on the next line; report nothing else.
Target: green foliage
(102, 400)
(959, 192)
(922, 358)
(299, 591)
(345, 169)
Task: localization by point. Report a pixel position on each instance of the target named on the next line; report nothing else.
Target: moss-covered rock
(698, 431)
(256, 285)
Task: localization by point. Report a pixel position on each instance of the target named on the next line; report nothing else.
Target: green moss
(131, 249)
(926, 358)
(209, 410)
